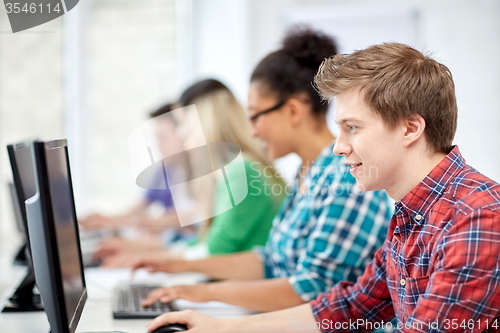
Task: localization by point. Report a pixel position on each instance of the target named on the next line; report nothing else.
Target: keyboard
(127, 303)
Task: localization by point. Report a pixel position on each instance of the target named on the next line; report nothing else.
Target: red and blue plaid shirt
(439, 268)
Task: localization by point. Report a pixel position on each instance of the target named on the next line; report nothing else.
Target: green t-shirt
(248, 223)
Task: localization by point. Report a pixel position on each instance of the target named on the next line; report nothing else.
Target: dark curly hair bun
(308, 47)
(291, 69)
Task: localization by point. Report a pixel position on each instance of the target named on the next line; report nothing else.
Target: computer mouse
(170, 328)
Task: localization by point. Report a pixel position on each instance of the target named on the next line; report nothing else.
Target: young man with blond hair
(439, 268)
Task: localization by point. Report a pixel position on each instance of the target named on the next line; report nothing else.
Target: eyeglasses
(274, 108)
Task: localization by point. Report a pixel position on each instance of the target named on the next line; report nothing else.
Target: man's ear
(414, 129)
(296, 111)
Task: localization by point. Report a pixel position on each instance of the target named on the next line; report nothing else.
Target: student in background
(241, 228)
(139, 216)
(326, 230)
(223, 119)
(438, 270)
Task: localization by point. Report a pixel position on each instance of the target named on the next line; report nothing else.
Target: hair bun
(309, 47)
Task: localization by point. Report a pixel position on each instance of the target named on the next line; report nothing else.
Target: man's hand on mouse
(194, 293)
(196, 322)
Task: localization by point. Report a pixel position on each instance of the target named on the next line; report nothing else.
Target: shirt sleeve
(161, 194)
(367, 299)
(349, 227)
(265, 252)
(263, 256)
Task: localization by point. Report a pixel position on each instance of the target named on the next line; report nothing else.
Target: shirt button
(403, 282)
(418, 217)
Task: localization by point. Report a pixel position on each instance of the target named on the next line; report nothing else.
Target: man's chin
(365, 185)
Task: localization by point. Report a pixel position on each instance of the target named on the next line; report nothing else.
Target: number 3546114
(32, 8)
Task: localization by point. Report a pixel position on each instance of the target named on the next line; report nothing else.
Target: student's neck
(416, 169)
(310, 146)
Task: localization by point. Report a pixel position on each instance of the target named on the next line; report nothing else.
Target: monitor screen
(16, 207)
(20, 155)
(64, 222)
(56, 249)
(25, 169)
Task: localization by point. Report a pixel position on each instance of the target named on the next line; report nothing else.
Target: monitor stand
(24, 300)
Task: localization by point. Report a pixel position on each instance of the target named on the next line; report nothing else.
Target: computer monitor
(21, 257)
(20, 156)
(53, 234)
(16, 207)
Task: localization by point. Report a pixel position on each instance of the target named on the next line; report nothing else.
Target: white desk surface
(97, 314)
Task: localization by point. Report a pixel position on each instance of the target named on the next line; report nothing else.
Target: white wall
(131, 66)
(221, 48)
(31, 101)
(462, 34)
(129, 63)
(91, 76)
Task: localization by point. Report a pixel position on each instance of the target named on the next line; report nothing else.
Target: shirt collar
(420, 199)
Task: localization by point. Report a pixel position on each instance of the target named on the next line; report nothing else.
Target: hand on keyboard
(127, 303)
(194, 293)
(162, 262)
(118, 252)
(97, 221)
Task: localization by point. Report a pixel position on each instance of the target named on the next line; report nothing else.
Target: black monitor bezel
(58, 319)
(21, 197)
(23, 299)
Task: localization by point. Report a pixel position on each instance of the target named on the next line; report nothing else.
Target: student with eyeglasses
(222, 119)
(326, 230)
(439, 267)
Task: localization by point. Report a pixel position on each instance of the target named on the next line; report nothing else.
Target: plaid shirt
(439, 269)
(327, 231)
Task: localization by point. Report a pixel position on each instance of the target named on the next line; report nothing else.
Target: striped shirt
(439, 269)
(326, 231)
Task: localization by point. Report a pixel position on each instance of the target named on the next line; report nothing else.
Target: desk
(97, 313)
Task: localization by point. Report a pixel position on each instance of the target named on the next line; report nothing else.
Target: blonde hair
(223, 119)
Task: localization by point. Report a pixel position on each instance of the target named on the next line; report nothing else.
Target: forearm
(167, 220)
(299, 318)
(260, 295)
(132, 216)
(239, 266)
